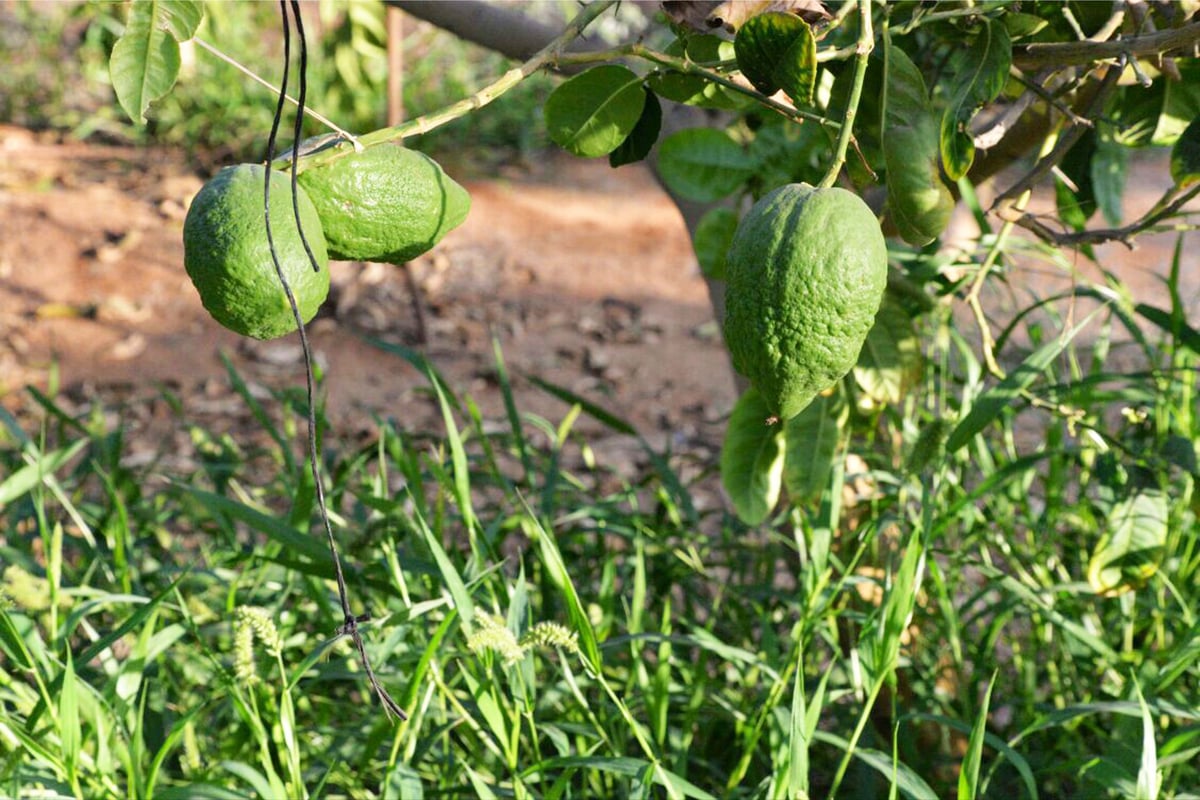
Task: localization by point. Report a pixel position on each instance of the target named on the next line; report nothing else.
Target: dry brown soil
(583, 274)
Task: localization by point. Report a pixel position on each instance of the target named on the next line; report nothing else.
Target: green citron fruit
(805, 276)
(387, 203)
(226, 254)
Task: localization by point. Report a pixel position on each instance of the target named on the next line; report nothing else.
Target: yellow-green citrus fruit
(805, 276)
(387, 203)
(226, 254)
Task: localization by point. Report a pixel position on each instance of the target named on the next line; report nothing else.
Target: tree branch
(1164, 209)
(510, 33)
(503, 30)
(1183, 41)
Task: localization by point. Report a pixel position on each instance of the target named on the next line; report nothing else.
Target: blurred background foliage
(56, 77)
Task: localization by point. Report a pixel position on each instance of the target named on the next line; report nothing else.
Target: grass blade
(968, 776)
(988, 406)
(1148, 778)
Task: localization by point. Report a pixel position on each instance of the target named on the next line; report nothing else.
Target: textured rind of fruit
(805, 276)
(226, 255)
(387, 204)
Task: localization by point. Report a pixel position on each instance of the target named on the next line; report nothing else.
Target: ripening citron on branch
(225, 253)
(806, 272)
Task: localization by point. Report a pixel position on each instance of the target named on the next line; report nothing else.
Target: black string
(350, 622)
(297, 132)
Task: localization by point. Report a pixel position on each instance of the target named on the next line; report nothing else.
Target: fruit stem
(546, 56)
(866, 43)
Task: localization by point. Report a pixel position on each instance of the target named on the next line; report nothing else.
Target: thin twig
(1065, 141)
(424, 124)
(250, 74)
(866, 43)
(687, 67)
(1163, 209)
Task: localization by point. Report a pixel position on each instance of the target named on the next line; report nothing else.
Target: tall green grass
(1010, 612)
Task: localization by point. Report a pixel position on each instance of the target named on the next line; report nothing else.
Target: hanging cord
(350, 622)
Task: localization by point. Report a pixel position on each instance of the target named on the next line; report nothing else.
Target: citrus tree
(818, 153)
(907, 106)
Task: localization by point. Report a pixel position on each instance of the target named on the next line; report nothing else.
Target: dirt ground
(583, 274)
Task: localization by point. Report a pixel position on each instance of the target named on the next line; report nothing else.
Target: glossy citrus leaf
(752, 459)
(777, 51)
(1185, 156)
(703, 164)
(590, 114)
(145, 61)
(692, 89)
(1132, 544)
(714, 233)
(918, 200)
(890, 363)
(982, 74)
(811, 441)
(641, 139)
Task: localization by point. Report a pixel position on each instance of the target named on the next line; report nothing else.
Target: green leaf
(777, 51)
(1020, 25)
(1108, 178)
(1158, 115)
(1183, 333)
(811, 443)
(641, 139)
(714, 234)
(67, 716)
(890, 362)
(867, 122)
(968, 776)
(560, 576)
(798, 735)
(752, 459)
(1149, 778)
(1077, 203)
(919, 202)
(1185, 156)
(906, 780)
(593, 112)
(403, 783)
(988, 406)
(42, 465)
(180, 18)
(983, 73)
(293, 540)
(1132, 544)
(703, 164)
(145, 60)
(694, 90)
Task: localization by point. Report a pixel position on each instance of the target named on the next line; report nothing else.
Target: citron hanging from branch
(805, 276)
(225, 253)
(387, 203)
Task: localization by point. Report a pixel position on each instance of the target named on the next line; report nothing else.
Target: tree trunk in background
(517, 36)
(395, 58)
